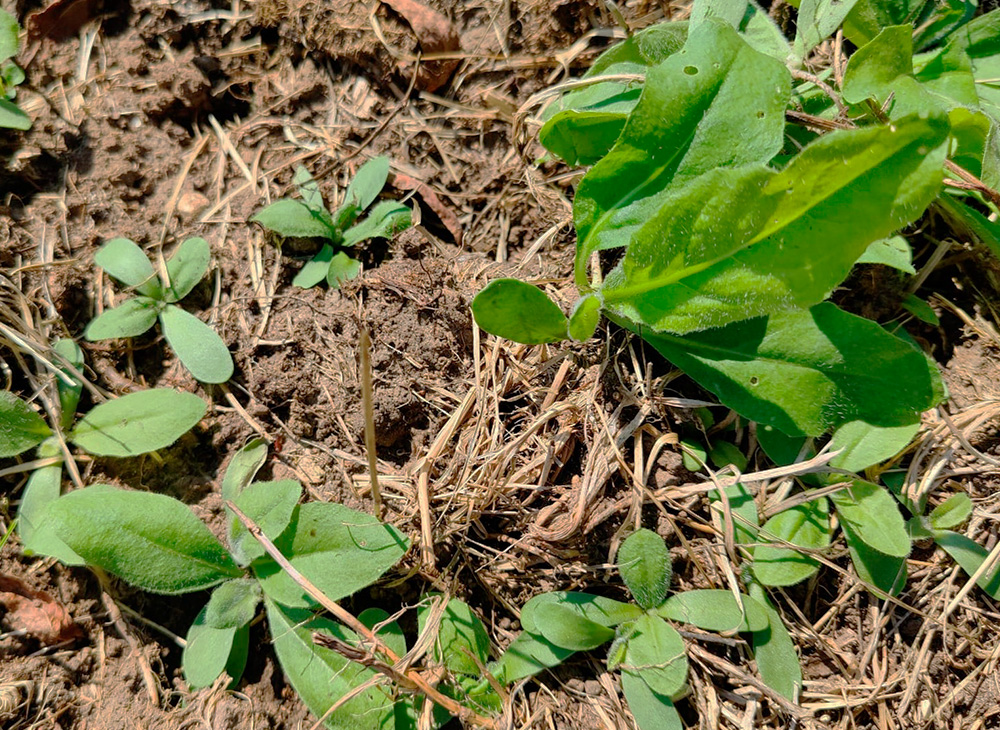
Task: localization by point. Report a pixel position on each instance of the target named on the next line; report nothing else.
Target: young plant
(157, 544)
(11, 74)
(134, 424)
(197, 345)
(341, 229)
(645, 648)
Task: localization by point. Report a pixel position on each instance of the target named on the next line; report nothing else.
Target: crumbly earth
(159, 121)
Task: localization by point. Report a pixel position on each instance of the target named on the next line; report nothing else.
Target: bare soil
(159, 121)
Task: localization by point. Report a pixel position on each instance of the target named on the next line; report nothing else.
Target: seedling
(11, 75)
(133, 424)
(157, 544)
(197, 345)
(341, 229)
(645, 648)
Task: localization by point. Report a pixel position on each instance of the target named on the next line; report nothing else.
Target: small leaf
(970, 556)
(652, 711)
(197, 345)
(127, 263)
(655, 652)
(520, 312)
(149, 540)
(293, 219)
(774, 651)
(725, 454)
(863, 445)
(604, 611)
(309, 190)
(874, 66)
(742, 505)
(211, 651)
(460, 634)
(527, 655)
(385, 220)
(243, 467)
(232, 604)
(271, 506)
(644, 564)
(11, 117)
(389, 631)
(585, 317)
(952, 512)
(565, 627)
(316, 269)
(69, 394)
(20, 427)
(817, 20)
(367, 183)
(187, 267)
(342, 268)
(714, 610)
(921, 310)
(806, 525)
(9, 30)
(894, 252)
(43, 488)
(138, 423)
(339, 549)
(887, 573)
(873, 515)
(129, 319)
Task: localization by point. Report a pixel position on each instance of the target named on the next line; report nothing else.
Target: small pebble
(191, 205)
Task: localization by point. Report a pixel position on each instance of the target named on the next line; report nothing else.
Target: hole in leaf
(691, 70)
(760, 115)
(754, 380)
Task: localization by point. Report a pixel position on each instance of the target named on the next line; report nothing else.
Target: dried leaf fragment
(436, 34)
(35, 612)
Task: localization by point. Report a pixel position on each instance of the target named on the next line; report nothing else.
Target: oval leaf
(211, 651)
(885, 573)
(129, 319)
(197, 345)
(271, 506)
(951, 513)
(565, 627)
(126, 262)
(644, 564)
(386, 220)
(138, 423)
(316, 269)
(655, 653)
(149, 540)
(806, 525)
(232, 604)
(652, 711)
(604, 611)
(367, 183)
(243, 467)
(187, 267)
(714, 610)
(873, 515)
(293, 219)
(520, 312)
(527, 655)
(774, 651)
(20, 427)
(862, 444)
(460, 637)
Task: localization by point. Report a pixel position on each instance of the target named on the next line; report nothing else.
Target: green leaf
(921, 310)
(316, 269)
(774, 651)
(309, 190)
(271, 506)
(584, 318)
(655, 652)
(43, 488)
(69, 394)
(149, 540)
(887, 573)
(651, 711)
(873, 67)
(243, 467)
(186, 268)
(604, 611)
(763, 34)
(232, 604)
(644, 564)
(385, 220)
(338, 549)
(460, 634)
(9, 30)
(20, 427)
(565, 627)
(724, 454)
(730, 12)
(873, 515)
(342, 268)
(692, 118)
(211, 651)
(781, 448)
(293, 219)
(126, 262)
(389, 631)
(526, 656)
(197, 345)
(138, 423)
(714, 610)
(129, 319)
(742, 504)
(864, 445)
(951, 513)
(321, 676)
(805, 372)
(367, 183)
(12, 75)
(970, 556)
(894, 251)
(11, 117)
(520, 312)
(806, 525)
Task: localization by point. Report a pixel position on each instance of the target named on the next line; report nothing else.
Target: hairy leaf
(127, 263)
(9, 30)
(20, 427)
(742, 505)
(970, 556)
(385, 220)
(197, 345)
(187, 267)
(714, 610)
(604, 611)
(129, 319)
(243, 467)
(210, 651)
(316, 269)
(565, 627)
(806, 525)
(655, 652)
(11, 116)
(887, 573)
(774, 651)
(232, 604)
(873, 515)
(894, 251)
(951, 513)
(69, 392)
(342, 268)
(526, 656)
(817, 20)
(874, 66)
(652, 711)
(293, 219)
(644, 564)
(271, 506)
(367, 183)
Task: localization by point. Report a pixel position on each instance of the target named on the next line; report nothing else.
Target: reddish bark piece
(436, 34)
(35, 612)
(440, 208)
(62, 19)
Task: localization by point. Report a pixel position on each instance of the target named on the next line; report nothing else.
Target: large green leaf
(527, 655)
(338, 549)
(197, 345)
(786, 239)
(874, 66)
(126, 262)
(652, 711)
(715, 103)
(43, 488)
(150, 540)
(644, 564)
(271, 506)
(138, 423)
(210, 651)
(873, 515)
(805, 372)
(367, 183)
(714, 610)
(460, 637)
(20, 427)
(518, 311)
(887, 573)
(316, 269)
(294, 219)
(655, 652)
(129, 319)
(321, 676)
(806, 525)
(187, 267)
(604, 611)
(342, 268)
